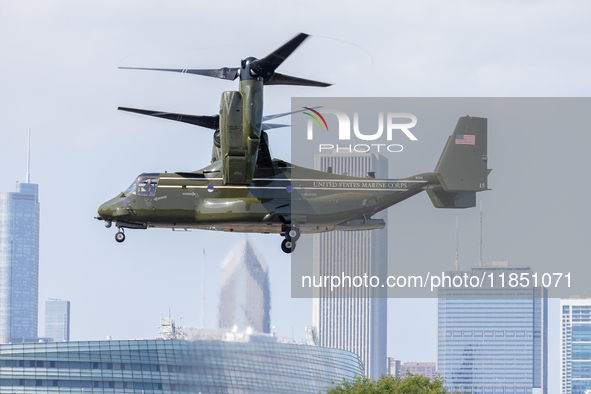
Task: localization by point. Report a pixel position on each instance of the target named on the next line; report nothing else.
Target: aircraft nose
(107, 210)
(104, 212)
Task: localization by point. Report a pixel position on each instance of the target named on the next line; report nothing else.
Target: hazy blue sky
(59, 76)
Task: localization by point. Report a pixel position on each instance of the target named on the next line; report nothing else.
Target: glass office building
(19, 264)
(172, 366)
(57, 320)
(493, 340)
(575, 346)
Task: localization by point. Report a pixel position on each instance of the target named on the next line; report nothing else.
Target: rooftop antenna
(29, 158)
(480, 247)
(457, 263)
(203, 290)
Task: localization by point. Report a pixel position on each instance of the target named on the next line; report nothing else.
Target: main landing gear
(292, 234)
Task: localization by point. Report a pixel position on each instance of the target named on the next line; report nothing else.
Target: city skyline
(61, 79)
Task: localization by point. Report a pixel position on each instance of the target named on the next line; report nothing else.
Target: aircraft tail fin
(462, 167)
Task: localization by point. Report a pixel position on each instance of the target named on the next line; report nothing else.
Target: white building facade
(353, 319)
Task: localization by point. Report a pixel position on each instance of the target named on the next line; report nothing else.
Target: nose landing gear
(120, 235)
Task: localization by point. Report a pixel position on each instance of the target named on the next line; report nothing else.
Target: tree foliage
(409, 384)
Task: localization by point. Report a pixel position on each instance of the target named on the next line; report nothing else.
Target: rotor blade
(221, 73)
(267, 65)
(268, 126)
(282, 79)
(269, 117)
(210, 122)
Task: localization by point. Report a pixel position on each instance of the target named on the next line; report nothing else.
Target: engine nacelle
(240, 128)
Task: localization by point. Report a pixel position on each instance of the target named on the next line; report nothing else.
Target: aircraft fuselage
(315, 201)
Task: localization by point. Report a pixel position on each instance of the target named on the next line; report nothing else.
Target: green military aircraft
(245, 190)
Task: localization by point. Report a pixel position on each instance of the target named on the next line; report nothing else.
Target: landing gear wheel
(292, 233)
(120, 237)
(288, 246)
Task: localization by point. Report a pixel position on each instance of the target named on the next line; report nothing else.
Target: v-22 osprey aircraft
(245, 190)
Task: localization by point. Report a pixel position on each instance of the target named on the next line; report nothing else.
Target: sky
(59, 77)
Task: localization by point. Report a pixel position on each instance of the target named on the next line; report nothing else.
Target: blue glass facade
(19, 264)
(174, 366)
(57, 320)
(575, 345)
(493, 340)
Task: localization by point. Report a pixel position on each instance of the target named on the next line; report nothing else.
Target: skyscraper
(245, 295)
(355, 320)
(19, 263)
(575, 345)
(492, 340)
(57, 320)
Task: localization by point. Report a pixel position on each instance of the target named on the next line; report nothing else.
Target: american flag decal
(465, 139)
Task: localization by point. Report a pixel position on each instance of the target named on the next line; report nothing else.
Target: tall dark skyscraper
(57, 320)
(19, 263)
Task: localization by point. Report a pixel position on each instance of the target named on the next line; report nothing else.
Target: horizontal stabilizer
(443, 199)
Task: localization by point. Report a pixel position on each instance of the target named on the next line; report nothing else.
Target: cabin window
(146, 186)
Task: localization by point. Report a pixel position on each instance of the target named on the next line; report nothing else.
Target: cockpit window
(131, 188)
(146, 186)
